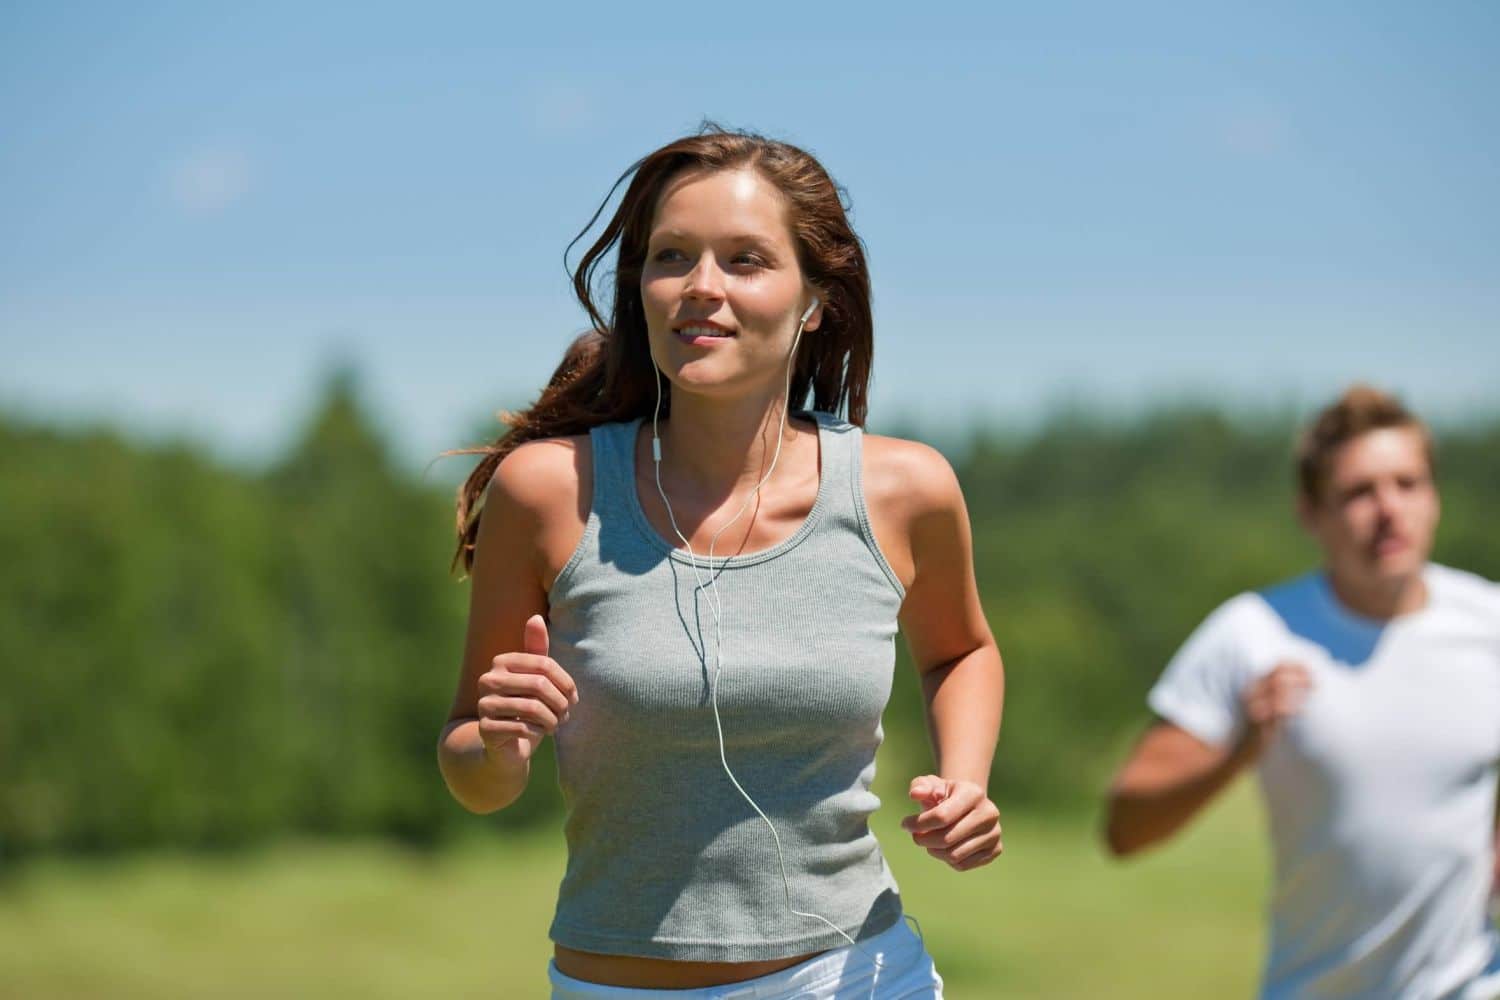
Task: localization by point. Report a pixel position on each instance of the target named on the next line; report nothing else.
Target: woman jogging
(694, 586)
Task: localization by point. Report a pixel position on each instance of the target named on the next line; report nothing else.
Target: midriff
(662, 973)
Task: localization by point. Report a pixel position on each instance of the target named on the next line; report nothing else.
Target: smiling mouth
(696, 330)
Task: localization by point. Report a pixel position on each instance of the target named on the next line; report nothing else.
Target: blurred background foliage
(202, 656)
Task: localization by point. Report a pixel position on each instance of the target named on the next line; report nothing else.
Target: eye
(667, 255)
(748, 259)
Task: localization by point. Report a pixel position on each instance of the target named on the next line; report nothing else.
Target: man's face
(1378, 510)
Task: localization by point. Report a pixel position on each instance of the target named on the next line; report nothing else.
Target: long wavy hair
(608, 374)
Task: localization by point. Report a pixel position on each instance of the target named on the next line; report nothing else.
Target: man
(1367, 697)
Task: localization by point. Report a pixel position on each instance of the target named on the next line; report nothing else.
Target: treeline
(196, 655)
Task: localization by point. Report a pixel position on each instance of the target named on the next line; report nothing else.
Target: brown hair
(608, 374)
(1360, 410)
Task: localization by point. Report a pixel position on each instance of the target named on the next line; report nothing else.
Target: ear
(816, 319)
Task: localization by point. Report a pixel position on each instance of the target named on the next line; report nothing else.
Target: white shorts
(905, 973)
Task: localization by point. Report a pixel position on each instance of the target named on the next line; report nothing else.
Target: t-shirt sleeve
(1200, 688)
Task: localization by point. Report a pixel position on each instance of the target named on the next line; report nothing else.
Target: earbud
(808, 315)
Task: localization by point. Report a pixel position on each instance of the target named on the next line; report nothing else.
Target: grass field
(1051, 919)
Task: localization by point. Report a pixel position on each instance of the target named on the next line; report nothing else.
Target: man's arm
(1172, 774)
(1169, 777)
(1495, 864)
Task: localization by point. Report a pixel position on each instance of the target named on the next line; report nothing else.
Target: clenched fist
(958, 824)
(523, 697)
(1271, 700)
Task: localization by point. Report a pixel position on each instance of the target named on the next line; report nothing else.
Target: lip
(1391, 544)
(680, 331)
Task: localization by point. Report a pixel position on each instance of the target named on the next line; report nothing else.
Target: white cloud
(210, 179)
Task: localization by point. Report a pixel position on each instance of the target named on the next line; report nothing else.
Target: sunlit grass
(1053, 918)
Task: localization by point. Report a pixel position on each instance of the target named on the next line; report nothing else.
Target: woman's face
(722, 288)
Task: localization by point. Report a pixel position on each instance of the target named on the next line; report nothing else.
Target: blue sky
(203, 207)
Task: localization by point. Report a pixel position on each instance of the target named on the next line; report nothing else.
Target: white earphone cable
(716, 606)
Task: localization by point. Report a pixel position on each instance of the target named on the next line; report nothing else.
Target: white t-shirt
(1380, 792)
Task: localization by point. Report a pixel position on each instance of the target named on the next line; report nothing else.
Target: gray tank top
(665, 859)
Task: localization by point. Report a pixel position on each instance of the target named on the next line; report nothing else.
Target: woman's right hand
(523, 697)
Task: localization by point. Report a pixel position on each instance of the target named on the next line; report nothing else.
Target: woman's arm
(511, 694)
(922, 525)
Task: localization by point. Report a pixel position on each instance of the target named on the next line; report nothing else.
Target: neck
(717, 446)
(1380, 599)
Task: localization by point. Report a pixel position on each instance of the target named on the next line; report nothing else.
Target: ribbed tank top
(665, 859)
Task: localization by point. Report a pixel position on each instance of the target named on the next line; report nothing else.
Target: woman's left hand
(958, 823)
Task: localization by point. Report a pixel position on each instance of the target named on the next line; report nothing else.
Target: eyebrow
(677, 234)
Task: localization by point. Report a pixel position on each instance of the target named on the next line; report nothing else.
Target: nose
(1387, 501)
(705, 280)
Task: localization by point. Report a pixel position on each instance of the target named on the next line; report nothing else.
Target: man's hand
(1270, 701)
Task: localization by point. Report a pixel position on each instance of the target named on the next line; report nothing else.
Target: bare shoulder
(540, 495)
(542, 477)
(912, 496)
(908, 478)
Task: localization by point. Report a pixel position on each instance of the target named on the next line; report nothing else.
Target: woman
(694, 589)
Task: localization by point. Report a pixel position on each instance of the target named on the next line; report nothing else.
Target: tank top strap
(842, 490)
(614, 465)
(838, 472)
